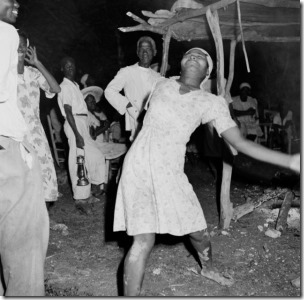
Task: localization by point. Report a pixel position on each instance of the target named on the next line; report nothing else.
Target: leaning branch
(143, 27)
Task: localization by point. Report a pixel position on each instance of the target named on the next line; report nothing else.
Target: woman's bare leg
(202, 244)
(135, 263)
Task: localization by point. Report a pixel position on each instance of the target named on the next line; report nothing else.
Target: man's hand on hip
(133, 112)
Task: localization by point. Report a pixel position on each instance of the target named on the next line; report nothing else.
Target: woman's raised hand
(31, 56)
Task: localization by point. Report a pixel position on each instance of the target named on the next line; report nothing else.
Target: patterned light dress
(154, 194)
(28, 102)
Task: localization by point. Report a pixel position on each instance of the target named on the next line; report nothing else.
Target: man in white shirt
(137, 82)
(246, 112)
(24, 222)
(75, 112)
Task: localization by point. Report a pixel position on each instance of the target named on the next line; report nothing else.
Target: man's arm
(71, 121)
(102, 128)
(8, 46)
(112, 92)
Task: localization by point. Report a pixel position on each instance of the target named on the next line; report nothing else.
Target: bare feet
(214, 274)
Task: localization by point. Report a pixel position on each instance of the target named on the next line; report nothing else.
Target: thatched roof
(262, 20)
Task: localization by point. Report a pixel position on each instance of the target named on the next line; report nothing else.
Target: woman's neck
(191, 80)
(20, 67)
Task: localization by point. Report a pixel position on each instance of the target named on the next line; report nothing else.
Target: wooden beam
(249, 24)
(274, 3)
(186, 13)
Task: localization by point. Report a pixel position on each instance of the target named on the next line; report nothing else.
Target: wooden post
(166, 43)
(226, 205)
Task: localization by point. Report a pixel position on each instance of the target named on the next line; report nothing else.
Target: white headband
(209, 60)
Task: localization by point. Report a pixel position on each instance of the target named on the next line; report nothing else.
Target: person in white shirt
(75, 112)
(24, 221)
(246, 112)
(136, 81)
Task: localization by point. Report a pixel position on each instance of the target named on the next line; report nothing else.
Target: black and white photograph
(150, 148)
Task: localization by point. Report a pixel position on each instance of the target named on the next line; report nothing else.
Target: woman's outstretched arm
(234, 137)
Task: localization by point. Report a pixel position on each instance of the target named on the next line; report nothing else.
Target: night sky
(87, 31)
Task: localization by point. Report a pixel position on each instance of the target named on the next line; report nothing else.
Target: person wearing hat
(97, 121)
(75, 112)
(246, 112)
(136, 81)
(154, 195)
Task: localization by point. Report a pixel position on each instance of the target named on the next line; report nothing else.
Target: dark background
(87, 31)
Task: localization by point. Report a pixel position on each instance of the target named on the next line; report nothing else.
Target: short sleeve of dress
(43, 84)
(152, 90)
(218, 114)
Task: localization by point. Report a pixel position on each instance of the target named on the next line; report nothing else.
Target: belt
(81, 115)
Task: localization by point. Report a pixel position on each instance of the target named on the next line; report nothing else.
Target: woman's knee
(201, 235)
(142, 245)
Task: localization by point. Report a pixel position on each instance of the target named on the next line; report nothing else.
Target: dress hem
(158, 232)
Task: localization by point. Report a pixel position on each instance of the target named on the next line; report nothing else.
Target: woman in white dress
(154, 194)
(30, 81)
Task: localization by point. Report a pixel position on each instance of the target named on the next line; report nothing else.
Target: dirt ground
(86, 258)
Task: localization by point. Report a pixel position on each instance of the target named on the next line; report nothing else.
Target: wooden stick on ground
(282, 218)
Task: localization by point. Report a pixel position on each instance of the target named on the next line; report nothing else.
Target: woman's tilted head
(199, 60)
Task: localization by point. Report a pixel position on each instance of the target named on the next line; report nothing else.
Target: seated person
(97, 122)
(246, 112)
(282, 128)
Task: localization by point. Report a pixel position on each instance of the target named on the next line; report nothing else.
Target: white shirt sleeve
(65, 96)
(9, 44)
(112, 91)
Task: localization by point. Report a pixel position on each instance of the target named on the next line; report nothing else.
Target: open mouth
(15, 11)
(192, 61)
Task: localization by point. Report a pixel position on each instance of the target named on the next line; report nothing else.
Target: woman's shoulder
(33, 72)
